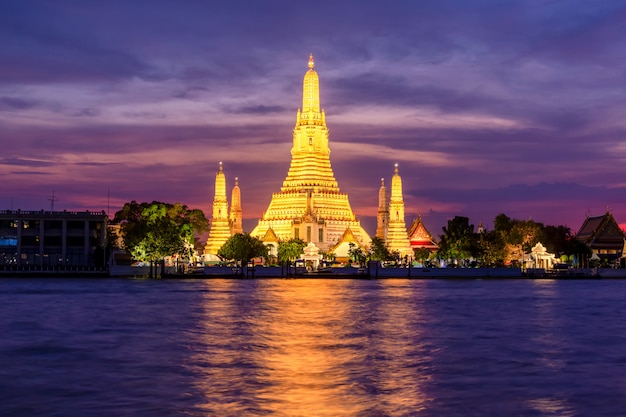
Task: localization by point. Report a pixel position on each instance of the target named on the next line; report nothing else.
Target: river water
(280, 347)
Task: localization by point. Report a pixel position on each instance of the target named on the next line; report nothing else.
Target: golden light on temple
(236, 215)
(397, 238)
(310, 90)
(382, 217)
(309, 205)
(220, 225)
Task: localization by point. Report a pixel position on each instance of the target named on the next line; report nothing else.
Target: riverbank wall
(373, 272)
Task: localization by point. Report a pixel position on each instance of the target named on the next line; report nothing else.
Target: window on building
(75, 241)
(8, 241)
(296, 232)
(75, 225)
(321, 235)
(308, 233)
(53, 241)
(53, 225)
(30, 240)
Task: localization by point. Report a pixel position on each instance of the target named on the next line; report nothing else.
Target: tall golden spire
(220, 186)
(310, 154)
(236, 216)
(311, 89)
(383, 211)
(220, 228)
(396, 190)
(309, 205)
(397, 236)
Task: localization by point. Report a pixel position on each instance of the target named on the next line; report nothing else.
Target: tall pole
(52, 199)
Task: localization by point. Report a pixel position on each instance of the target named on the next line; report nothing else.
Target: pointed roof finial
(311, 62)
(382, 182)
(236, 180)
(395, 169)
(220, 166)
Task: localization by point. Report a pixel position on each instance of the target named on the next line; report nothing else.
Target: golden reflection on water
(311, 347)
(402, 376)
(305, 360)
(547, 322)
(552, 407)
(219, 365)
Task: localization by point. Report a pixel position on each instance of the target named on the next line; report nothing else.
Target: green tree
(556, 239)
(491, 249)
(502, 224)
(289, 251)
(525, 233)
(421, 254)
(378, 250)
(152, 231)
(519, 236)
(243, 248)
(357, 254)
(395, 258)
(458, 241)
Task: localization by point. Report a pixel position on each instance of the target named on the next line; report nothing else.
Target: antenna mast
(52, 199)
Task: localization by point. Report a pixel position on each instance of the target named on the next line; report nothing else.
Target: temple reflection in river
(323, 348)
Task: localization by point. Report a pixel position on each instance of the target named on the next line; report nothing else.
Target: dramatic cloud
(487, 106)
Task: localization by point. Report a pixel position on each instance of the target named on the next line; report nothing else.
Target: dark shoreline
(321, 276)
(273, 272)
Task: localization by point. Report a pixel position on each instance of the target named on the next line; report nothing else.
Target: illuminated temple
(310, 205)
(223, 224)
(396, 236)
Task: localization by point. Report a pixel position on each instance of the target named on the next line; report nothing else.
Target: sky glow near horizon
(489, 107)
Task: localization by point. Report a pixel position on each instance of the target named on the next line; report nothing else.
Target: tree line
(507, 242)
(505, 245)
(151, 232)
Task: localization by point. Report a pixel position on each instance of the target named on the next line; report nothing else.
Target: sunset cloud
(488, 107)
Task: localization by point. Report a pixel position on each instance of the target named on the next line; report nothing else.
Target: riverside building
(50, 239)
(603, 235)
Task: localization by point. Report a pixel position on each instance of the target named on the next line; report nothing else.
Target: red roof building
(419, 237)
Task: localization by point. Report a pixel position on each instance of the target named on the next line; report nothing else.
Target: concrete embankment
(345, 273)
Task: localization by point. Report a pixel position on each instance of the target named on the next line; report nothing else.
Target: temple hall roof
(601, 232)
(419, 236)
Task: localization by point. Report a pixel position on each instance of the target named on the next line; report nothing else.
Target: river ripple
(73, 347)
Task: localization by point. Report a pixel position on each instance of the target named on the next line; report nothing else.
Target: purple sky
(515, 107)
